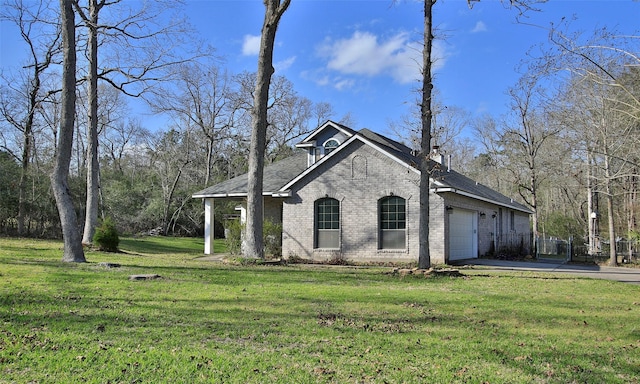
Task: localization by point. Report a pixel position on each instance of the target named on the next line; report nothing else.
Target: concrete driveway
(625, 275)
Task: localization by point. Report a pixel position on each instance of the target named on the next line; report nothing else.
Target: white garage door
(463, 235)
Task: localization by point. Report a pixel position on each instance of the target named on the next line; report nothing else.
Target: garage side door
(463, 235)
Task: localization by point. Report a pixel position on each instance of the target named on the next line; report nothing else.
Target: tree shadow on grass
(157, 246)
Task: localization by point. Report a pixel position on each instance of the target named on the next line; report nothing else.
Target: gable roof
(279, 177)
(386, 146)
(309, 140)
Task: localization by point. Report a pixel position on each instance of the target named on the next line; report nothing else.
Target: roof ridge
(396, 145)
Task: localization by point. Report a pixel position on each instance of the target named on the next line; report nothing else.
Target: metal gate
(553, 249)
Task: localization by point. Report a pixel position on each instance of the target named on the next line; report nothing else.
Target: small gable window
(327, 223)
(330, 145)
(393, 222)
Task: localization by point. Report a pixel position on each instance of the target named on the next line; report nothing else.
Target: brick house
(355, 195)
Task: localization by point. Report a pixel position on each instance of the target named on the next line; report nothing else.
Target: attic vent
(359, 167)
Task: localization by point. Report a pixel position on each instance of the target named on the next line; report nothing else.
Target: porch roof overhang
(277, 194)
(274, 177)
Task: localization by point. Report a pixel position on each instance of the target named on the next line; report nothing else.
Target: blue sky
(361, 55)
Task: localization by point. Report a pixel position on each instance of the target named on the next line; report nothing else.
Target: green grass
(165, 245)
(214, 323)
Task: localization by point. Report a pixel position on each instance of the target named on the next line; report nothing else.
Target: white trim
(218, 195)
(209, 230)
(473, 196)
(279, 193)
(307, 139)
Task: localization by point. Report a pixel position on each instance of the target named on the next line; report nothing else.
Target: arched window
(392, 223)
(330, 145)
(327, 223)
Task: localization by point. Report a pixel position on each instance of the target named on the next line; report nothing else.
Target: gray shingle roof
(275, 176)
(446, 179)
(282, 172)
(458, 182)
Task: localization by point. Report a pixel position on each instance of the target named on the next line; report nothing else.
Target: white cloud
(365, 54)
(285, 64)
(342, 84)
(322, 78)
(251, 45)
(479, 27)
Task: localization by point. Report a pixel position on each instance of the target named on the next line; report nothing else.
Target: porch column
(208, 226)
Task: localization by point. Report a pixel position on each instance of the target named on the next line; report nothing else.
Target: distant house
(355, 195)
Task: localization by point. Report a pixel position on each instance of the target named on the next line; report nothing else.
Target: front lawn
(207, 322)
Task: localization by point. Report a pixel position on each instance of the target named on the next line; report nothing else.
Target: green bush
(272, 235)
(233, 236)
(106, 236)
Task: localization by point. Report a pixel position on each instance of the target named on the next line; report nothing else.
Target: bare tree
(524, 141)
(201, 97)
(605, 57)
(172, 155)
(253, 243)
(137, 63)
(73, 251)
(289, 115)
(426, 115)
(448, 123)
(43, 45)
(599, 68)
(121, 140)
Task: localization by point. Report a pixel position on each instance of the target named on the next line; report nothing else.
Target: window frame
(326, 213)
(392, 223)
(328, 149)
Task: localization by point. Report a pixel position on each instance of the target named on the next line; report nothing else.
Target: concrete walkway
(625, 275)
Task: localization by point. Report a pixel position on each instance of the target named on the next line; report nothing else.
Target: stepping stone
(151, 276)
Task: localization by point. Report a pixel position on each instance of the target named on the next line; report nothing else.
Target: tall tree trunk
(24, 170)
(592, 206)
(252, 241)
(424, 256)
(631, 203)
(26, 149)
(613, 258)
(533, 182)
(210, 145)
(93, 167)
(73, 251)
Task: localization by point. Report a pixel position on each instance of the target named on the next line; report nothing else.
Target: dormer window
(330, 145)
